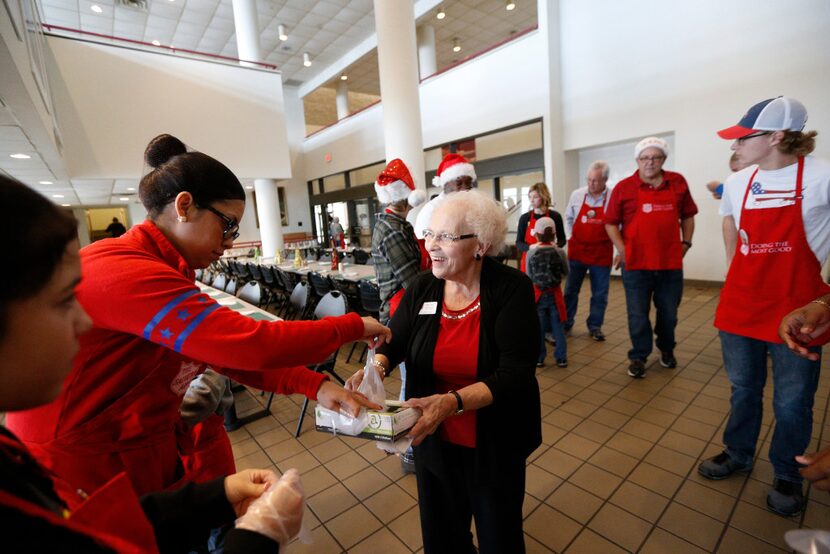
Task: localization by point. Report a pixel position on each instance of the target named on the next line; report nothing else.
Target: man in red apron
(395, 249)
(589, 248)
(650, 220)
(777, 234)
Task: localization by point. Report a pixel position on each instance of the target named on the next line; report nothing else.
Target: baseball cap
(543, 223)
(774, 114)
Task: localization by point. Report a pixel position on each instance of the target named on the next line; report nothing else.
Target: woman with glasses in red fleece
(153, 331)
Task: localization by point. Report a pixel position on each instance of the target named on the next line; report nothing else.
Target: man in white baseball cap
(776, 227)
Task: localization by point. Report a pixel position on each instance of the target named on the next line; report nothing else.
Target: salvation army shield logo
(584, 219)
(647, 208)
(744, 242)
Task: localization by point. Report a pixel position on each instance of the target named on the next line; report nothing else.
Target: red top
(153, 332)
(455, 364)
(622, 206)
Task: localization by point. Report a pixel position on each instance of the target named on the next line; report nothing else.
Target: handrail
(444, 70)
(172, 49)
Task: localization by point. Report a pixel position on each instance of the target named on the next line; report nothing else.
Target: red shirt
(455, 363)
(622, 205)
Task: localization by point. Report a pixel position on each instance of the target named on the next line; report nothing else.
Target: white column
(247, 31)
(268, 210)
(342, 99)
(426, 50)
(398, 69)
(83, 225)
(552, 127)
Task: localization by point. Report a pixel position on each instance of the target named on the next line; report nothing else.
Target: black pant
(448, 503)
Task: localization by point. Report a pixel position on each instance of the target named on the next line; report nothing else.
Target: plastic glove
(278, 513)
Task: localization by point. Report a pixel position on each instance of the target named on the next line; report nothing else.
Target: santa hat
(395, 184)
(651, 142)
(452, 167)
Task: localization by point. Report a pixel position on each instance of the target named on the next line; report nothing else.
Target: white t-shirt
(776, 188)
(579, 196)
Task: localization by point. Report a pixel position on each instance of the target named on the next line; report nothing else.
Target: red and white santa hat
(452, 167)
(395, 184)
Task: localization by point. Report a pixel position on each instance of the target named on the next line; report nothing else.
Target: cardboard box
(388, 425)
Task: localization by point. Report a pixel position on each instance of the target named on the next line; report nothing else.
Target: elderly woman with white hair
(469, 334)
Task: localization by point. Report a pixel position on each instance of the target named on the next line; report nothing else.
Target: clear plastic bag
(372, 387)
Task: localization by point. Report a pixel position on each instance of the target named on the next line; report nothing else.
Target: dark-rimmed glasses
(742, 139)
(231, 229)
(445, 238)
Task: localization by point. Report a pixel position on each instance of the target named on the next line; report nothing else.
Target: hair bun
(161, 149)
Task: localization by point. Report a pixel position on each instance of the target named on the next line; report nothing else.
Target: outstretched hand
(802, 325)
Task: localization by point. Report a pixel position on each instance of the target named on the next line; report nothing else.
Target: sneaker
(549, 339)
(597, 334)
(540, 364)
(785, 498)
(637, 369)
(408, 462)
(667, 359)
(721, 467)
(562, 362)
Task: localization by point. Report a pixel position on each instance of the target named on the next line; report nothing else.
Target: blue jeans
(794, 387)
(549, 320)
(600, 277)
(665, 289)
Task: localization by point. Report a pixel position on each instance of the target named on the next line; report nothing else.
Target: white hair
(602, 166)
(485, 217)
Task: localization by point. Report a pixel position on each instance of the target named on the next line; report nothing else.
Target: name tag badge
(429, 308)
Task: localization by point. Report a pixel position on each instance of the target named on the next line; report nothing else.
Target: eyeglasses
(742, 139)
(231, 229)
(445, 238)
(655, 159)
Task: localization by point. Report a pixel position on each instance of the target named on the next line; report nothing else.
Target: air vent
(140, 5)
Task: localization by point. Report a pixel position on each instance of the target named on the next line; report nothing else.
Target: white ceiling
(326, 29)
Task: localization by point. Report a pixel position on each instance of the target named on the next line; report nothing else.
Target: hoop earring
(478, 256)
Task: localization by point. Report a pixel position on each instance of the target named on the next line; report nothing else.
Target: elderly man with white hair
(589, 248)
(650, 220)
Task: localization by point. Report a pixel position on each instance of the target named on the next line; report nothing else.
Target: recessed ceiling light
(249, 187)
(156, 43)
(281, 32)
(131, 188)
(456, 45)
(441, 14)
(344, 77)
(66, 205)
(57, 196)
(510, 5)
(96, 8)
(45, 182)
(124, 199)
(306, 59)
(20, 156)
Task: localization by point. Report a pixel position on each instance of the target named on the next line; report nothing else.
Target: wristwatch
(460, 405)
(687, 243)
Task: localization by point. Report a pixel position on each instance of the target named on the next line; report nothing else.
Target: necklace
(461, 315)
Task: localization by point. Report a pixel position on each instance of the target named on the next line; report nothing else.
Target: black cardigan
(522, 246)
(510, 428)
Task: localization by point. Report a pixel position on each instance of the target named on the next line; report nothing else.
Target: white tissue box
(387, 425)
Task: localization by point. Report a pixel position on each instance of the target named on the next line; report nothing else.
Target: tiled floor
(616, 471)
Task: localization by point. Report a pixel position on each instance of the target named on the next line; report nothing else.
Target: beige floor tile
(705, 500)
(284, 449)
(563, 420)
(245, 447)
(255, 460)
(302, 462)
(663, 542)
(609, 418)
(595, 480)
(735, 541)
(680, 442)
(407, 528)
(540, 483)
(644, 430)
(639, 501)
(626, 407)
(817, 516)
(575, 502)
(656, 479)
(671, 460)
(316, 480)
(529, 504)
(578, 407)
(366, 482)
(331, 502)
(551, 528)
(731, 486)
(692, 526)
(589, 542)
(620, 527)
(613, 461)
(762, 524)
(352, 526)
(388, 503)
(347, 465)
(557, 462)
(382, 540)
(577, 446)
(594, 431)
(272, 436)
(321, 543)
(629, 444)
(532, 546)
(551, 433)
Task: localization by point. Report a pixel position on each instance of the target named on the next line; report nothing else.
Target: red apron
(529, 239)
(773, 271)
(112, 515)
(652, 239)
(589, 242)
(205, 450)
(558, 299)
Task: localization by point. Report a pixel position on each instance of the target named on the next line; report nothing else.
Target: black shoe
(562, 362)
(667, 359)
(637, 369)
(721, 466)
(597, 334)
(785, 498)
